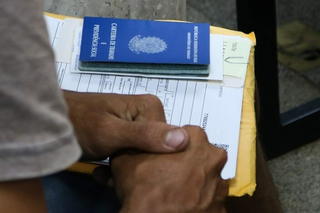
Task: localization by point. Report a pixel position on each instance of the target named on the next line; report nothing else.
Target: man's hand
(187, 181)
(106, 123)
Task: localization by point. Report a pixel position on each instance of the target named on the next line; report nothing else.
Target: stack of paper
(214, 103)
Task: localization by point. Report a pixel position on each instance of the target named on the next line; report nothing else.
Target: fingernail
(175, 138)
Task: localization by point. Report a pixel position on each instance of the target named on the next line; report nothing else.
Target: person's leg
(74, 192)
(265, 198)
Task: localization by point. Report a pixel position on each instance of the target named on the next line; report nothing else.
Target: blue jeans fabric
(68, 192)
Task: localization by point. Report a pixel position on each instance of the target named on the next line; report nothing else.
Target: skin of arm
(22, 196)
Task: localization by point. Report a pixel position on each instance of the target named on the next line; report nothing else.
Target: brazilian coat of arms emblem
(149, 45)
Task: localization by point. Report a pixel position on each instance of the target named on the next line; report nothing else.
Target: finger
(197, 135)
(138, 108)
(220, 157)
(150, 136)
(103, 176)
(147, 108)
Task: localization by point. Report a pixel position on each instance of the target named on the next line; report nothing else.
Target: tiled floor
(297, 177)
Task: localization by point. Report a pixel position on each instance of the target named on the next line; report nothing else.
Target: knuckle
(219, 158)
(223, 156)
(197, 132)
(151, 103)
(188, 128)
(152, 100)
(197, 135)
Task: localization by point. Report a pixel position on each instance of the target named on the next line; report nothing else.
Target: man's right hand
(189, 181)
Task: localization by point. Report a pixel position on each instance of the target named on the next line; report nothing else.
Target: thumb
(103, 176)
(153, 136)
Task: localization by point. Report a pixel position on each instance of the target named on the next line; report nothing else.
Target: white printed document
(215, 108)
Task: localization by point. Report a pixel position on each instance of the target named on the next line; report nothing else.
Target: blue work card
(144, 41)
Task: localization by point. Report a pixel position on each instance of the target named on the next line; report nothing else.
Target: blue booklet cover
(143, 41)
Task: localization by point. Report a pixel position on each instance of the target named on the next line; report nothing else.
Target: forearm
(22, 196)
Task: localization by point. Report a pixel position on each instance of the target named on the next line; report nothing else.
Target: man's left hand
(106, 123)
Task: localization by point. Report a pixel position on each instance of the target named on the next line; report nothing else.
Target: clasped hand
(176, 169)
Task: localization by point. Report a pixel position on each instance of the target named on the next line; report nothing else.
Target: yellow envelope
(245, 180)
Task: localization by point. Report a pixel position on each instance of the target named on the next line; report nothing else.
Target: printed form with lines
(213, 107)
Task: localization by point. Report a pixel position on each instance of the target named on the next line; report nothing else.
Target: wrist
(144, 201)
